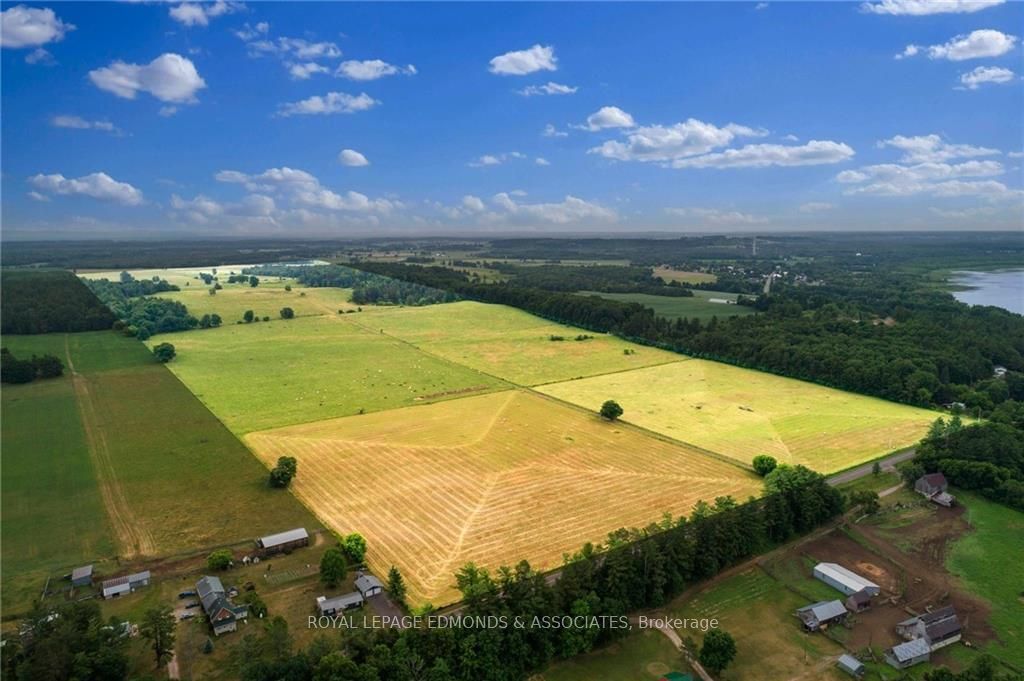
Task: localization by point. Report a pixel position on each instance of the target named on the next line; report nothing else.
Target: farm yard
(740, 413)
(491, 479)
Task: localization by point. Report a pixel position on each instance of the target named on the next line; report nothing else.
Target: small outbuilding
(908, 654)
(858, 602)
(931, 483)
(822, 613)
(81, 576)
(282, 541)
(339, 604)
(112, 588)
(852, 666)
(368, 585)
(844, 580)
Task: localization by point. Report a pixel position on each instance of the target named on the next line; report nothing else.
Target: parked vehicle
(186, 594)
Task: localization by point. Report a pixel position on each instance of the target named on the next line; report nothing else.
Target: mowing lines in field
(515, 476)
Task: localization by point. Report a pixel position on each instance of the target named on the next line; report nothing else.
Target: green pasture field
(982, 559)
(740, 413)
(508, 343)
(185, 277)
(266, 375)
(233, 300)
(122, 460)
(51, 513)
(697, 307)
(642, 656)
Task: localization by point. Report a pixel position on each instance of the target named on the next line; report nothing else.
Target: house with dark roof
(821, 614)
(933, 487)
(368, 585)
(939, 628)
(222, 613)
(282, 542)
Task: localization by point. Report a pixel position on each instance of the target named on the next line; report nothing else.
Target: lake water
(1003, 289)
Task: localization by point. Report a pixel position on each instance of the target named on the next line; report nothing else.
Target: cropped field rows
(530, 479)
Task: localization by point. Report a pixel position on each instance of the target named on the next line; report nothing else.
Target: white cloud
(549, 88)
(96, 185)
(352, 158)
(495, 159)
(371, 69)
(200, 13)
(305, 70)
(79, 123)
(571, 209)
(167, 111)
(929, 178)
(22, 26)
(522, 62)
(815, 152)
(661, 143)
(608, 117)
(170, 78)
(473, 203)
(40, 56)
(304, 190)
(972, 80)
(975, 45)
(295, 48)
(248, 32)
(331, 103)
(541, 161)
(551, 131)
(36, 196)
(932, 148)
(714, 216)
(924, 7)
(254, 209)
(816, 207)
(761, 5)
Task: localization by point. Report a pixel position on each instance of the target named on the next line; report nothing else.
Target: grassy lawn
(740, 413)
(983, 560)
(642, 655)
(492, 479)
(265, 375)
(701, 306)
(510, 344)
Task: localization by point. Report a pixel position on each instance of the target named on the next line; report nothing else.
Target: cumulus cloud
(40, 56)
(522, 62)
(288, 48)
(571, 209)
(972, 80)
(932, 148)
(248, 32)
(815, 207)
(815, 152)
(200, 13)
(549, 88)
(306, 70)
(22, 26)
(608, 117)
(371, 69)
(541, 161)
(331, 103)
(352, 158)
(304, 190)
(667, 143)
(96, 185)
(974, 45)
(170, 78)
(79, 123)
(495, 159)
(254, 209)
(924, 7)
(551, 131)
(717, 217)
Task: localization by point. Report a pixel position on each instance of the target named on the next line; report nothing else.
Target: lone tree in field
(220, 560)
(254, 281)
(764, 464)
(876, 469)
(248, 316)
(158, 628)
(287, 313)
(333, 566)
(611, 410)
(354, 547)
(286, 469)
(164, 352)
(396, 586)
(718, 651)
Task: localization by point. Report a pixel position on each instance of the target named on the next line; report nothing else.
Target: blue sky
(219, 119)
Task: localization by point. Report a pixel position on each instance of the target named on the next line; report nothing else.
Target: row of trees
(14, 370)
(143, 316)
(633, 569)
(367, 288)
(603, 278)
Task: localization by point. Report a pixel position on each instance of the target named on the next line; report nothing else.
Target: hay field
(509, 343)
(668, 274)
(491, 479)
(270, 374)
(233, 300)
(741, 413)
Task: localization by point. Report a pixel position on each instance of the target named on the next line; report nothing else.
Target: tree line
(48, 301)
(14, 370)
(368, 288)
(603, 278)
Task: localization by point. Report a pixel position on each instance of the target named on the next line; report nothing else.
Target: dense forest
(367, 287)
(137, 314)
(587, 606)
(883, 335)
(47, 301)
(603, 278)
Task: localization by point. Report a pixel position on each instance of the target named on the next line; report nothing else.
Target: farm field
(491, 479)
(740, 413)
(265, 375)
(233, 300)
(668, 274)
(642, 656)
(508, 343)
(179, 276)
(700, 306)
(137, 462)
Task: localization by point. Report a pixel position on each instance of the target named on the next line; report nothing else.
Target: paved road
(888, 464)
